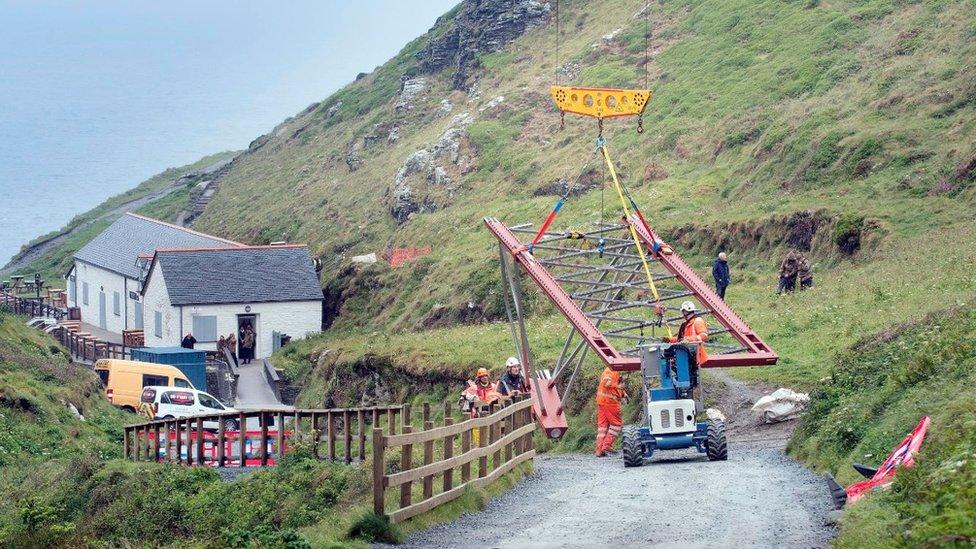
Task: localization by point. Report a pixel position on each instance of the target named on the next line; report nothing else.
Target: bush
(847, 233)
(375, 528)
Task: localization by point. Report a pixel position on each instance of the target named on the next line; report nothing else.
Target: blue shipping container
(191, 362)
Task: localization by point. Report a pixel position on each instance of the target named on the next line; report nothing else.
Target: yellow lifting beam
(600, 102)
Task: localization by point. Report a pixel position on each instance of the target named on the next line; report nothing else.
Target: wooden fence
(493, 444)
(260, 436)
(88, 348)
(31, 307)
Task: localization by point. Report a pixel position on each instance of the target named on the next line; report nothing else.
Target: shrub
(375, 528)
(847, 233)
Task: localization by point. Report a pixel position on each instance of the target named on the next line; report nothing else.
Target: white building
(104, 281)
(213, 292)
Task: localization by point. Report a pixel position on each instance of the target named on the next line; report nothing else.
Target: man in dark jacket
(720, 272)
(512, 382)
(188, 341)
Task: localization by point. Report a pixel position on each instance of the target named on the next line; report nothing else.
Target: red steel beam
(544, 279)
(758, 353)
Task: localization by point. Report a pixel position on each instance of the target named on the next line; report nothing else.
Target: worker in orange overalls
(693, 330)
(609, 393)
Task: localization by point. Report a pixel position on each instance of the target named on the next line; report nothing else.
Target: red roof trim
(184, 229)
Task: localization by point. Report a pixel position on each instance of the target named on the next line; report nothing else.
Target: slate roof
(250, 274)
(117, 247)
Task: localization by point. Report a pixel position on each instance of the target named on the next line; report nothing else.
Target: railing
(219, 440)
(274, 380)
(31, 307)
(87, 348)
(495, 444)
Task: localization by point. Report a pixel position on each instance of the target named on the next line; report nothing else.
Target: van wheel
(129, 409)
(231, 425)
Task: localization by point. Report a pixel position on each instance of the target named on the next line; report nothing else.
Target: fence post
(509, 427)
(465, 448)
(315, 435)
(495, 430)
(264, 438)
(391, 421)
(405, 458)
(199, 441)
(483, 443)
(428, 457)
(221, 441)
(148, 444)
(156, 445)
(379, 462)
(280, 424)
(242, 438)
(448, 448)
(361, 433)
(330, 419)
(347, 433)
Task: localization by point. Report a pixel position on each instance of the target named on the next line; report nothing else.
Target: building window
(205, 328)
(117, 304)
(158, 323)
(84, 293)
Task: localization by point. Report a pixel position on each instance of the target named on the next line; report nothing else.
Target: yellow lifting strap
(633, 232)
(600, 102)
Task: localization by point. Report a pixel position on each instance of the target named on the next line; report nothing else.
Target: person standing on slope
(609, 394)
(720, 272)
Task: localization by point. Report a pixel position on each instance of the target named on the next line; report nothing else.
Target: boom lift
(613, 283)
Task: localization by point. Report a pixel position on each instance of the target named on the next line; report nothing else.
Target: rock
(481, 26)
(570, 70)
(352, 157)
(492, 104)
(394, 135)
(609, 37)
(429, 172)
(334, 109)
(410, 89)
(445, 108)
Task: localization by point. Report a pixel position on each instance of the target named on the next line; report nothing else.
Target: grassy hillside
(65, 486)
(873, 396)
(861, 109)
(55, 259)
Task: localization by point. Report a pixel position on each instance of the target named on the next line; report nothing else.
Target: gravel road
(758, 498)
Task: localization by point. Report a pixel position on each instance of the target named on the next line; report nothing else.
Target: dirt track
(758, 498)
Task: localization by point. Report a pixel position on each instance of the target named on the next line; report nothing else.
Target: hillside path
(253, 390)
(758, 498)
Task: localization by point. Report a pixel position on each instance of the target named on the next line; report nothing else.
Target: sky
(96, 97)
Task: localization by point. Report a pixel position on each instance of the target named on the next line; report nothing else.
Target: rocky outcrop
(482, 26)
(428, 178)
(410, 90)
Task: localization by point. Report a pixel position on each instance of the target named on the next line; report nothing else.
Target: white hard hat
(512, 361)
(687, 307)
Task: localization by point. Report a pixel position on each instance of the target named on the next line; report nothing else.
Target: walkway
(100, 334)
(253, 390)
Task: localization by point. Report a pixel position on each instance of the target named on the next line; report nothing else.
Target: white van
(160, 402)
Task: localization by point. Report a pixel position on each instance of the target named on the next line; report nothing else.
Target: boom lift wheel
(632, 447)
(716, 446)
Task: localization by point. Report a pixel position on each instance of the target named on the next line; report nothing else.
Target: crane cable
(602, 145)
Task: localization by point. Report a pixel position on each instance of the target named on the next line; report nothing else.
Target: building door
(73, 289)
(101, 310)
(245, 323)
(137, 311)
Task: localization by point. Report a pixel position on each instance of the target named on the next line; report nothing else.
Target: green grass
(874, 395)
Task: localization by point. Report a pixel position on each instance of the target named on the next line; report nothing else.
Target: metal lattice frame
(596, 280)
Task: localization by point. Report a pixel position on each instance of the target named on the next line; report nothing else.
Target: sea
(97, 96)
